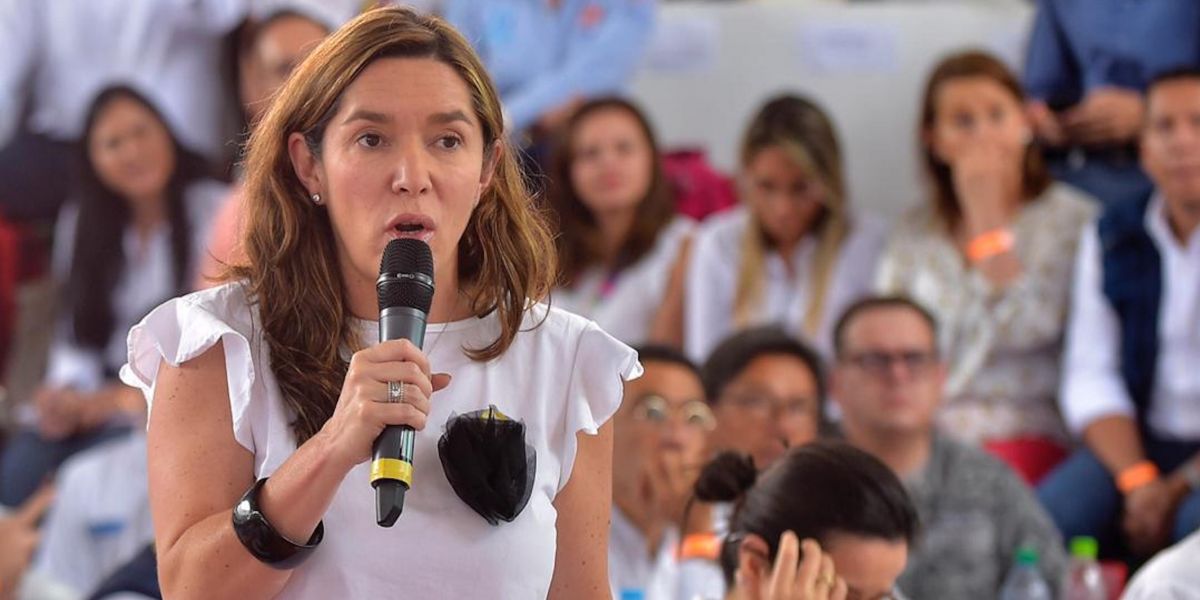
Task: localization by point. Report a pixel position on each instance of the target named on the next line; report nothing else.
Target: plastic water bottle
(1024, 581)
(1084, 579)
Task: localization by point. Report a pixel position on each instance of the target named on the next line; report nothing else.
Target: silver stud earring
(316, 199)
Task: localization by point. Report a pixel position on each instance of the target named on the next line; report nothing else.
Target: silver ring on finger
(395, 392)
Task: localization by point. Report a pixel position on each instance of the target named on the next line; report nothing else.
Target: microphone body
(405, 288)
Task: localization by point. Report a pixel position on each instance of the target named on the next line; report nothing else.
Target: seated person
(975, 512)
(826, 521)
(660, 443)
(990, 253)
(131, 239)
(1130, 384)
(766, 389)
(792, 254)
(620, 245)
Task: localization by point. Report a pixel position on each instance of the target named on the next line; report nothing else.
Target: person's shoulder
(550, 322)
(1069, 201)
(965, 461)
(228, 303)
(724, 229)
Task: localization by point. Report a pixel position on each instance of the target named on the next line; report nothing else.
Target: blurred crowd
(1005, 377)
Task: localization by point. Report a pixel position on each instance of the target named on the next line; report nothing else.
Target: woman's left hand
(808, 577)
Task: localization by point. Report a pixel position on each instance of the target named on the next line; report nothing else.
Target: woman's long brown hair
(506, 258)
(1035, 178)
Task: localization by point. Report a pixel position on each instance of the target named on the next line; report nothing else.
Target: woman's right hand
(811, 577)
(363, 409)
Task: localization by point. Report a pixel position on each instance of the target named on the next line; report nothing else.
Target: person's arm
(583, 506)
(198, 470)
(1094, 401)
(600, 58)
(708, 299)
(1023, 521)
(1051, 73)
(667, 327)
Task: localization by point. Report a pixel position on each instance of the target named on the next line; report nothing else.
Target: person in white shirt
(1171, 575)
(1131, 387)
(59, 55)
(267, 393)
(990, 253)
(791, 254)
(131, 240)
(660, 442)
(621, 245)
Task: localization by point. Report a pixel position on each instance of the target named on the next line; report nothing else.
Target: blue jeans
(1082, 497)
(29, 459)
(1109, 182)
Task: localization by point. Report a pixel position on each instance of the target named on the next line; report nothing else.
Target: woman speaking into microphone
(268, 391)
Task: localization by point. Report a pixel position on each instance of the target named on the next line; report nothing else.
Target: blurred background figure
(990, 253)
(622, 248)
(975, 512)
(58, 55)
(766, 389)
(790, 255)
(548, 57)
(1087, 65)
(1130, 384)
(825, 521)
(660, 443)
(130, 238)
(272, 41)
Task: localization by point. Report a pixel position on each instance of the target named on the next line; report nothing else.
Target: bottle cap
(1084, 547)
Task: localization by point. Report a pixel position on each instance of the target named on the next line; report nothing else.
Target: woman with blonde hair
(268, 392)
(991, 255)
(791, 255)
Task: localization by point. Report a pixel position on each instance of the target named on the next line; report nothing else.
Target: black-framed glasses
(879, 364)
(656, 410)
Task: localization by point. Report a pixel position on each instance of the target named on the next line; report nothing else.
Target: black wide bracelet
(261, 539)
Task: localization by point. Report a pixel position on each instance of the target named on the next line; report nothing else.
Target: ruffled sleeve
(184, 328)
(599, 370)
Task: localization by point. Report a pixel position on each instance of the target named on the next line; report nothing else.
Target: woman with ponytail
(825, 522)
(791, 254)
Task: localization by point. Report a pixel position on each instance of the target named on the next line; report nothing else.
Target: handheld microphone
(405, 289)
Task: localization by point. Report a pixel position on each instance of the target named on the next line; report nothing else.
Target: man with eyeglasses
(974, 512)
(660, 444)
(766, 389)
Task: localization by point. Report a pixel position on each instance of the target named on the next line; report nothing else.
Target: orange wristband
(1136, 476)
(700, 545)
(987, 245)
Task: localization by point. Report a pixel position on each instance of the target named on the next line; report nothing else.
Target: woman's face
(131, 151)
(785, 199)
(869, 565)
(612, 161)
(402, 157)
(974, 111)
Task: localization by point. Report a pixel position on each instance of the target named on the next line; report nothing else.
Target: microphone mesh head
(405, 256)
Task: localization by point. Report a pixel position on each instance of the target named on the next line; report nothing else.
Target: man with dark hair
(1087, 66)
(975, 512)
(1131, 388)
(660, 443)
(766, 389)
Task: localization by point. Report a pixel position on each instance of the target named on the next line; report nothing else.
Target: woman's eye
(450, 142)
(370, 140)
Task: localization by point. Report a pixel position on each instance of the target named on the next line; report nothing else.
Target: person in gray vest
(1131, 385)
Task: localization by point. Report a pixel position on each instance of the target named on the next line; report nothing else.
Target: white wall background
(711, 65)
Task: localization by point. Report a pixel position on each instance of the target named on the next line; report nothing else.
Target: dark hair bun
(726, 478)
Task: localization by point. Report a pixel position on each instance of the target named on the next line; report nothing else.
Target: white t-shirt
(561, 375)
(713, 275)
(1173, 575)
(627, 308)
(101, 515)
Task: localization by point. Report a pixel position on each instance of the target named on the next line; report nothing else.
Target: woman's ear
(491, 159)
(753, 569)
(307, 166)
